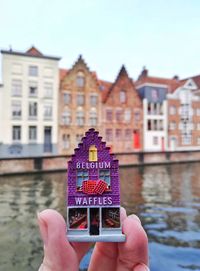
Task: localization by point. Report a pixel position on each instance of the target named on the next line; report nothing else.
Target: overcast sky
(163, 35)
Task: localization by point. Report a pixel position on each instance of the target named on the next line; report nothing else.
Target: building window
(78, 218)
(66, 141)
(186, 139)
(93, 153)
(109, 115)
(16, 110)
(32, 133)
(119, 114)
(172, 125)
(16, 87)
(172, 110)
(78, 138)
(184, 109)
(80, 118)
(160, 108)
(128, 134)
(109, 135)
(104, 174)
(33, 71)
(32, 110)
(122, 96)
(110, 218)
(93, 118)
(160, 125)
(93, 99)
(149, 125)
(155, 125)
(33, 88)
(136, 115)
(66, 118)
(80, 79)
(82, 175)
(127, 115)
(80, 99)
(118, 134)
(48, 111)
(48, 90)
(67, 98)
(154, 94)
(155, 140)
(16, 133)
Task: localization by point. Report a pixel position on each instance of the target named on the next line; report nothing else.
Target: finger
(81, 248)
(58, 253)
(104, 256)
(135, 250)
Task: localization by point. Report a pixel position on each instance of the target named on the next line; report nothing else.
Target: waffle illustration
(94, 187)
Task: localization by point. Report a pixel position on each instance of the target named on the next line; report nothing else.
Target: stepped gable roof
(91, 136)
(31, 52)
(122, 72)
(81, 61)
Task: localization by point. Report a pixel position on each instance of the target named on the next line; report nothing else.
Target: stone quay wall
(23, 165)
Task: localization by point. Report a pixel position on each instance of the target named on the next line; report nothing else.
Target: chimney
(176, 77)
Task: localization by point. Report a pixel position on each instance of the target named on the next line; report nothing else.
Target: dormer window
(93, 153)
(80, 79)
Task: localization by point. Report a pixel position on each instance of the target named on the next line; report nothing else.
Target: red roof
(34, 52)
(171, 84)
(63, 73)
(104, 87)
(196, 79)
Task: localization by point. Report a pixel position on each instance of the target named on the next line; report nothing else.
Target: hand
(60, 255)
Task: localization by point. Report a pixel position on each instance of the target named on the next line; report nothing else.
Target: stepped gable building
(121, 114)
(93, 202)
(153, 92)
(79, 105)
(184, 115)
(29, 95)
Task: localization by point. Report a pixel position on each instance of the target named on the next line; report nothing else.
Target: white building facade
(155, 122)
(29, 97)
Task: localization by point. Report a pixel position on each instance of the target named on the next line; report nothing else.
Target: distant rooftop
(31, 52)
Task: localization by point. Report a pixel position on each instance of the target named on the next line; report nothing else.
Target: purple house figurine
(93, 210)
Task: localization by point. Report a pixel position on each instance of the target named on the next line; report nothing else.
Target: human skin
(61, 255)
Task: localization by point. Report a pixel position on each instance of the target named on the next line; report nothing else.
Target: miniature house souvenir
(93, 210)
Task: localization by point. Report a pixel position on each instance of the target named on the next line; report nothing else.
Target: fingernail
(141, 267)
(135, 218)
(43, 229)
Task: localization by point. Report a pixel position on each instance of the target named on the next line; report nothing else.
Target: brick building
(79, 105)
(121, 114)
(184, 116)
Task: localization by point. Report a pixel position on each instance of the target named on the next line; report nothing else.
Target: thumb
(58, 253)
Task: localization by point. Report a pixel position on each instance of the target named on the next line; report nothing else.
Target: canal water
(166, 198)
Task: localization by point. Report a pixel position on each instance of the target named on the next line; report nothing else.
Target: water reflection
(167, 199)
